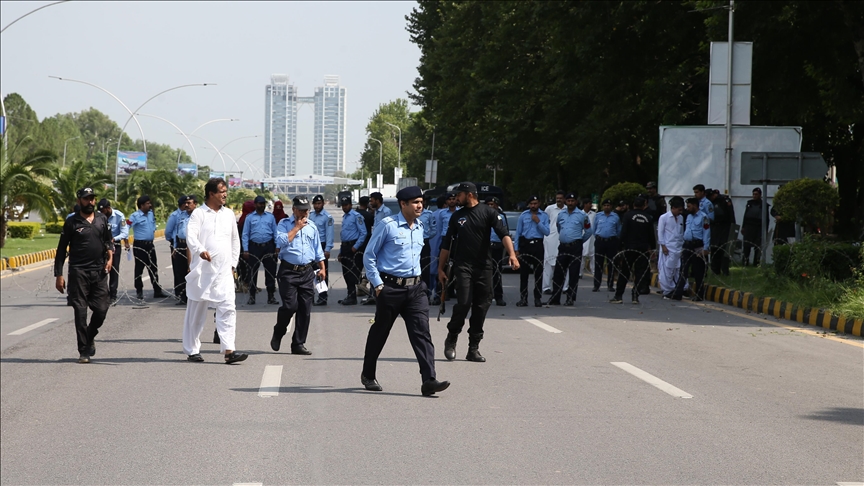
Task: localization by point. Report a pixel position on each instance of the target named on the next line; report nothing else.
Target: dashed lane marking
(248, 484)
(32, 326)
(270, 381)
(651, 379)
(543, 325)
(850, 484)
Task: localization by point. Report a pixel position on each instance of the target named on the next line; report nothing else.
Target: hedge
(23, 230)
(624, 191)
(54, 228)
(814, 257)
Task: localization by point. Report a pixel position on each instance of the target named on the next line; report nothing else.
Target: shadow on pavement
(846, 415)
(327, 389)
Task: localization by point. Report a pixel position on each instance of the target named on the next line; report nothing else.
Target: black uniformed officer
(637, 241)
(392, 263)
(467, 237)
(751, 228)
(724, 217)
(91, 249)
(656, 204)
(496, 251)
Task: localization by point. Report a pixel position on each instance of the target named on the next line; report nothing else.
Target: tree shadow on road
(846, 415)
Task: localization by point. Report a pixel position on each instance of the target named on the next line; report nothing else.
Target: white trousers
(197, 314)
(668, 267)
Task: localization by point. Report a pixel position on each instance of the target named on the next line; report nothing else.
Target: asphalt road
(769, 403)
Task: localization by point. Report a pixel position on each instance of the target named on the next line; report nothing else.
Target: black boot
(473, 348)
(450, 346)
(271, 297)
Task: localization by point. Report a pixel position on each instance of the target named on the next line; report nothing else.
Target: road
(562, 398)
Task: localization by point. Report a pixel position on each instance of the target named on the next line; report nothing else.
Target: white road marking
(543, 325)
(144, 279)
(31, 327)
(653, 380)
(850, 484)
(270, 381)
(248, 484)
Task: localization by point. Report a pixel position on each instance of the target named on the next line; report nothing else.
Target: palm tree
(70, 179)
(163, 186)
(25, 179)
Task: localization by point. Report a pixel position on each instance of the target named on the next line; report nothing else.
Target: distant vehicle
(393, 204)
(18, 212)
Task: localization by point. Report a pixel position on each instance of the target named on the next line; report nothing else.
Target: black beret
(409, 193)
(490, 199)
(192, 197)
(607, 201)
(103, 203)
(650, 185)
(318, 198)
(299, 202)
(533, 197)
(182, 200)
(260, 199)
(571, 195)
(344, 200)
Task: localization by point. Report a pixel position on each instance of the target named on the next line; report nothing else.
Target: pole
(64, 148)
(380, 156)
(731, 46)
(104, 149)
(432, 157)
(400, 143)
(764, 244)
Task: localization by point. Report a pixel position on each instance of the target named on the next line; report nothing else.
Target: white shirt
(670, 231)
(588, 246)
(552, 211)
(216, 233)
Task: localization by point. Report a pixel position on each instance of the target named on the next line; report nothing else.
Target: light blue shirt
(527, 228)
(443, 221)
(427, 217)
(180, 228)
(394, 248)
(171, 225)
(259, 228)
(698, 228)
(707, 208)
(382, 213)
(494, 237)
(305, 248)
(143, 225)
(353, 228)
(324, 222)
(571, 226)
(607, 226)
(117, 222)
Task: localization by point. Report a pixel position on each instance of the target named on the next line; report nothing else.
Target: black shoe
(616, 300)
(547, 292)
(432, 386)
(596, 289)
(635, 299)
(660, 292)
(83, 358)
(522, 303)
(553, 302)
(300, 349)
(275, 341)
(537, 303)
(435, 301)
(569, 302)
(450, 346)
(91, 351)
(251, 300)
(272, 300)
(195, 358)
(216, 339)
(371, 385)
(235, 357)
(158, 294)
(349, 301)
(180, 302)
(500, 303)
(610, 289)
(139, 295)
(320, 301)
(474, 355)
(696, 298)
(369, 301)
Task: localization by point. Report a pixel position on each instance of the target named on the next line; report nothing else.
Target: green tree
(77, 175)
(25, 178)
(21, 124)
(395, 112)
(163, 186)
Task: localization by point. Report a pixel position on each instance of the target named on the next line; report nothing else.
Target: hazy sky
(136, 49)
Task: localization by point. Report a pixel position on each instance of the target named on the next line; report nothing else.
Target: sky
(137, 49)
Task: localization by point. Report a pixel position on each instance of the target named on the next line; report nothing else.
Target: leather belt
(400, 281)
(572, 243)
(600, 238)
(297, 268)
(261, 244)
(181, 241)
(350, 242)
(531, 241)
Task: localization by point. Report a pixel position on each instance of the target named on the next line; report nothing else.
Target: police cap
(299, 202)
(318, 198)
(571, 195)
(651, 185)
(344, 200)
(182, 200)
(607, 201)
(86, 192)
(103, 203)
(491, 199)
(409, 193)
(533, 197)
(192, 197)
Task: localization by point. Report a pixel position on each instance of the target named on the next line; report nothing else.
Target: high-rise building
(330, 109)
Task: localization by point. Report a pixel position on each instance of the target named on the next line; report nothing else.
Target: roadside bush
(54, 228)
(624, 191)
(782, 254)
(810, 202)
(23, 230)
(815, 257)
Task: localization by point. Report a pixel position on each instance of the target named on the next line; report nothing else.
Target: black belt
(572, 243)
(531, 241)
(694, 243)
(351, 242)
(136, 240)
(400, 281)
(298, 268)
(181, 241)
(600, 238)
(261, 244)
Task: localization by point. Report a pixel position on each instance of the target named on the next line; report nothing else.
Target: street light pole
(106, 153)
(64, 148)
(380, 159)
(178, 129)
(400, 143)
(232, 141)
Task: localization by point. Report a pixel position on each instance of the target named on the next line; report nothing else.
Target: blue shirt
(527, 228)
(324, 222)
(180, 228)
(607, 226)
(143, 225)
(353, 228)
(382, 213)
(259, 228)
(305, 248)
(698, 228)
(443, 220)
(427, 217)
(494, 238)
(571, 226)
(707, 208)
(394, 248)
(117, 223)
(171, 225)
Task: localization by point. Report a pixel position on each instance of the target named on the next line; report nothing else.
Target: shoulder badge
(706, 226)
(710, 208)
(329, 221)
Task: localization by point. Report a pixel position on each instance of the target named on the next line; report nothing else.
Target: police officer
(573, 229)
(430, 230)
(377, 207)
(259, 241)
(299, 255)
(91, 248)
(607, 231)
(697, 240)
(143, 223)
(656, 203)
(368, 214)
(120, 233)
(705, 205)
(180, 256)
(392, 262)
(468, 238)
(352, 235)
(724, 217)
(637, 241)
(170, 236)
(751, 228)
(324, 222)
(531, 227)
(496, 252)
(442, 221)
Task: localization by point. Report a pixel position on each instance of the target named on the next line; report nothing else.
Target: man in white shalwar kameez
(670, 237)
(588, 245)
(550, 244)
(214, 245)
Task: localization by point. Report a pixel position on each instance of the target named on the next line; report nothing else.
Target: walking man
(180, 253)
(300, 257)
(211, 235)
(442, 222)
(468, 238)
(724, 217)
(697, 240)
(751, 228)
(550, 243)
(531, 227)
(573, 229)
(392, 262)
(353, 235)
(607, 230)
(259, 242)
(91, 252)
(637, 241)
(427, 218)
(670, 236)
(376, 205)
(143, 223)
(496, 251)
(120, 234)
(324, 223)
(170, 232)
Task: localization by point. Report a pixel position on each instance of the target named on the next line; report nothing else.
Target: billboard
(187, 169)
(235, 182)
(129, 162)
(217, 175)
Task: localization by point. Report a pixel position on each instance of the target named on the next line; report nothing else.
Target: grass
(42, 241)
(841, 298)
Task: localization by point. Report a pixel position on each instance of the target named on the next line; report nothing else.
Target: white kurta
(550, 246)
(588, 248)
(670, 232)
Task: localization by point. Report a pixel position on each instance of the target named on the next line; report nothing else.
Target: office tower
(280, 127)
(330, 107)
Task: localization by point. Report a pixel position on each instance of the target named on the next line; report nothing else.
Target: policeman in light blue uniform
(143, 223)
(171, 224)
(324, 222)
(259, 242)
(353, 235)
(697, 241)
(706, 207)
(607, 233)
(574, 228)
(430, 229)
(442, 220)
(179, 258)
(300, 254)
(531, 227)
(120, 233)
(376, 204)
(496, 252)
(392, 263)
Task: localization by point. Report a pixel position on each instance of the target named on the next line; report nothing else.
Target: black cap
(318, 198)
(490, 199)
(299, 202)
(709, 191)
(182, 200)
(622, 203)
(344, 200)
(143, 199)
(754, 190)
(192, 197)
(571, 195)
(533, 197)
(260, 199)
(103, 203)
(607, 201)
(651, 185)
(409, 193)
(86, 192)
(466, 187)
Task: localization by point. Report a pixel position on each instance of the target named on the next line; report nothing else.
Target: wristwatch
(378, 288)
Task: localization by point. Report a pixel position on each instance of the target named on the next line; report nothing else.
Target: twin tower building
(280, 127)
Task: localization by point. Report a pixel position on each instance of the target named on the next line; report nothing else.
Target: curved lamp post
(380, 160)
(399, 163)
(64, 149)
(178, 129)
(212, 121)
(232, 141)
